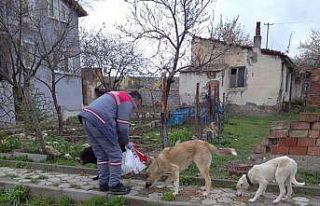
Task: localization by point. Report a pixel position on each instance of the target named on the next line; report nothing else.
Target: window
(66, 64)
(9, 8)
(237, 77)
(64, 12)
(58, 10)
(24, 6)
(27, 6)
(28, 53)
(53, 8)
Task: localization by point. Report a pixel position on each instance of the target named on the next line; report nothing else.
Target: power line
(297, 22)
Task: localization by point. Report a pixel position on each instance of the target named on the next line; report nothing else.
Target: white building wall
(263, 83)
(187, 86)
(263, 80)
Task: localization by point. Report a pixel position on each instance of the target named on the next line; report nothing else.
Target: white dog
(281, 169)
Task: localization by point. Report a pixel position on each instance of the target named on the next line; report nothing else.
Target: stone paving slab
(81, 187)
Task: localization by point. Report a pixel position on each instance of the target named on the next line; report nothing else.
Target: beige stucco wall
(263, 80)
(263, 76)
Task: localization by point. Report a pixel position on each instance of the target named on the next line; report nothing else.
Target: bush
(182, 133)
(7, 144)
(168, 196)
(95, 201)
(66, 201)
(3, 197)
(117, 201)
(18, 195)
(40, 201)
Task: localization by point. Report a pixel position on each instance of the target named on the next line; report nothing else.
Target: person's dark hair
(135, 95)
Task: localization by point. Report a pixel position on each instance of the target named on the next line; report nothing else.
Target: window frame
(28, 57)
(63, 11)
(58, 10)
(53, 9)
(235, 82)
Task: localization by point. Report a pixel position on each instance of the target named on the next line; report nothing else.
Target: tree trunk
(17, 102)
(197, 114)
(55, 102)
(164, 112)
(152, 101)
(33, 117)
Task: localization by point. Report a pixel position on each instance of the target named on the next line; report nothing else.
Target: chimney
(257, 37)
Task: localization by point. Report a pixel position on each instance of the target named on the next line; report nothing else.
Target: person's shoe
(104, 188)
(119, 189)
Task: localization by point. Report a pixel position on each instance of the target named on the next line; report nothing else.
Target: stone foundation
(250, 109)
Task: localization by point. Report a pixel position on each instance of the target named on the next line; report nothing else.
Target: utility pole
(268, 25)
(289, 44)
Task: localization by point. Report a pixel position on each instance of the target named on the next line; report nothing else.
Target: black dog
(87, 156)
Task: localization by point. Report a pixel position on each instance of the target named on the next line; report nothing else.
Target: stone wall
(300, 137)
(250, 109)
(155, 96)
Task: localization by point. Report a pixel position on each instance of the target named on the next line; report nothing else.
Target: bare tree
(58, 48)
(30, 44)
(116, 58)
(22, 61)
(230, 31)
(168, 26)
(310, 51)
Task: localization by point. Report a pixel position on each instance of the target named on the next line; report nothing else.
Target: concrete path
(83, 185)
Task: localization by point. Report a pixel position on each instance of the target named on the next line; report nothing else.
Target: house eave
(73, 4)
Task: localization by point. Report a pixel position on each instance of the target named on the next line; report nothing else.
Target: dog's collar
(248, 180)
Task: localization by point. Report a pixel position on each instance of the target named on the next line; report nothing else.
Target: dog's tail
(295, 182)
(293, 176)
(223, 151)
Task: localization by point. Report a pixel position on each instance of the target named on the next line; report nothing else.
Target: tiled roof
(263, 51)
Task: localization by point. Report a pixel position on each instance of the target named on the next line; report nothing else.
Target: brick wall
(313, 98)
(301, 137)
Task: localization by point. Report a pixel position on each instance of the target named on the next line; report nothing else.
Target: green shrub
(40, 201)
(18, 195)
(3, 197)
(168, 196)
(7, 144)
(182, 133)
(95, 201)
(66, 201)
(117, 201)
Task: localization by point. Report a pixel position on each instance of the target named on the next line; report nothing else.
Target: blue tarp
(178, 117)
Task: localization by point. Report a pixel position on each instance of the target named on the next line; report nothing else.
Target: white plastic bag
(131, 163)
(128, 164)
(139, 166)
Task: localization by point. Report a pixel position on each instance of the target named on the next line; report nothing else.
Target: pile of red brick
(300, 137)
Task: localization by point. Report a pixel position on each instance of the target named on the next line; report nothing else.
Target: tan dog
(282, 169)
(171, 161)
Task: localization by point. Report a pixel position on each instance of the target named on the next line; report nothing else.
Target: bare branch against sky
(289, 16)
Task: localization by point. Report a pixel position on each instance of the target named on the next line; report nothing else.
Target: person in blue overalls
(106, 122)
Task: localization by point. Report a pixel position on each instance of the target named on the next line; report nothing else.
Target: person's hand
(129, 146)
